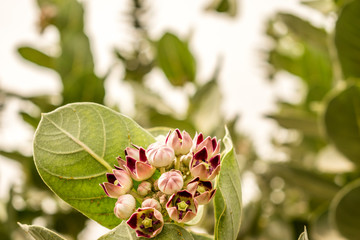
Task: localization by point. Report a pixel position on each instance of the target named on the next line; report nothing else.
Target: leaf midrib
(81, 144)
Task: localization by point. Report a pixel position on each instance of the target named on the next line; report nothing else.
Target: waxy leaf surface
(40, 233)
(75, 145)
(227, 202)
(170, 231)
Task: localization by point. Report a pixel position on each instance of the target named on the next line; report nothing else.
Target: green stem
(177, 163)
(136, 196)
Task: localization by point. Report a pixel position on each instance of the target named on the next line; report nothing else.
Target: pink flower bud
(181, 143)
(182, 207)
(119, 183)
(160, 155)
(152, 203)
(125, 206)
(147, 222)
(137, 163)
(144, 188)
(170, 182)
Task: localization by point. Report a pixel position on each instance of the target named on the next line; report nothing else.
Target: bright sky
(239, 41)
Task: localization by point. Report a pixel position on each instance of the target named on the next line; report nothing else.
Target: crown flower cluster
(172, 179)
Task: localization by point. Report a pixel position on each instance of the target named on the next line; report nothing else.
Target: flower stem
(177, 163)
(162, 170)
(136, 196)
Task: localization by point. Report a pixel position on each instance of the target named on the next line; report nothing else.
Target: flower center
(182, 206)
(201, 189)
(116, 182)
(147, 222)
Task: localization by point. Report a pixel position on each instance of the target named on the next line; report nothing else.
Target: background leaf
(37, 57)
(40, 233)
(75, 146)
(227, 202)
(345, 211)
(347, 39)
(176, 60)
(342, 122)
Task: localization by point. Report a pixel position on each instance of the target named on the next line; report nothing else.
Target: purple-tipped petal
(202, 154)
(132, 152)
(214, 144)
(215, 161)
(143, 171)
(142, 155)
(110, 177)
(200, 138)
(131, 163)
(178, 133)
(132, 222)
(184, 193)
(141, 234)
(112, 190)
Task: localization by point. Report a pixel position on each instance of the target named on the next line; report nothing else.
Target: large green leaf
(347, 39)
(40, 233)
(176, 60)
(204, 108)
(345, 211)
(342, 122)
(227, 202)
(170, 231)
(75, 146)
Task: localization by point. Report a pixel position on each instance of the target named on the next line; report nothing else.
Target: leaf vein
(83, 145)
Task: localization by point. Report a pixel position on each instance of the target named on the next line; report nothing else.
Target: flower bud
(125, 206)
(152, 203)
(160, 155)
(170, 182)
(181, 143)
(144, 188)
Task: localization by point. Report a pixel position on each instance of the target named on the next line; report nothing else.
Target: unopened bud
(144, 188)
(170, 182)
(125, 206)
(160, 155)
(150, 202)
(180, 142)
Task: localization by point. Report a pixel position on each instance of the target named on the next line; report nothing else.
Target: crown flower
(202, 190)
(171, 179)
(137, 163)
(180, 142)
(182, 207)
(147, 222)
(119, 183)
(205, 163)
